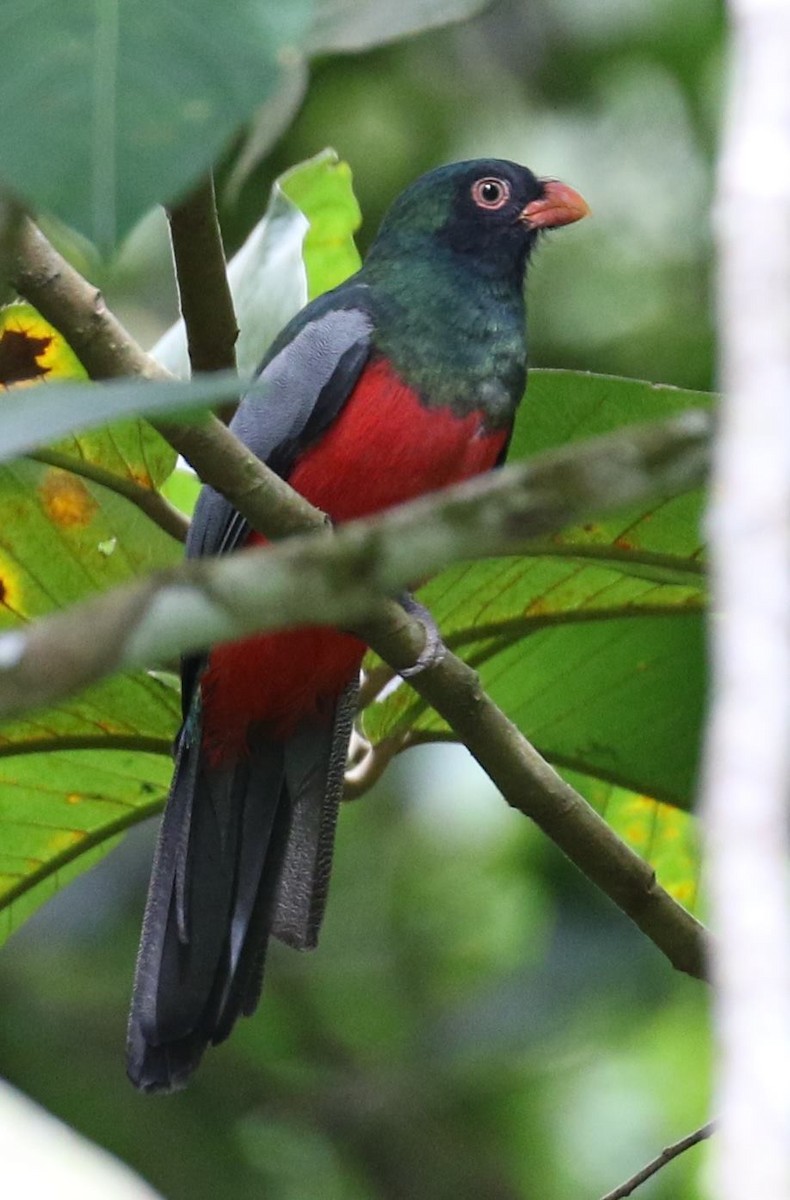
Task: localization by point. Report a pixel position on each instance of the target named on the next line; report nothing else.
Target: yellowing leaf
(32, 350)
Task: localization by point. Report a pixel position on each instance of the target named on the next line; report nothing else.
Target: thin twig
(661, 1160)
(148, 500)
(374, 680)
(206, 304)
(371, 763)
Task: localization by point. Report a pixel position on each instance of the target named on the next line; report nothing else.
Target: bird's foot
(434, 649)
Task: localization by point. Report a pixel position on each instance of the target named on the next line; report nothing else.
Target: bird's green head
(488, 211)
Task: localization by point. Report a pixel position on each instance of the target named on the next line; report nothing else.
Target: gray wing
(301, 388)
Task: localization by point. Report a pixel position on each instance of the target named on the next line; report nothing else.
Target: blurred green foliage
(477, 1022)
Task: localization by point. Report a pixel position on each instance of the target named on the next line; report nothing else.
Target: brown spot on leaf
(623, 544)
(19, 355)
(66, 500)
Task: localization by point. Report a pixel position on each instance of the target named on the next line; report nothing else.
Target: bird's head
(488, 210)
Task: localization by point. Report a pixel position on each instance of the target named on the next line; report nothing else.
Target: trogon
(402, 380)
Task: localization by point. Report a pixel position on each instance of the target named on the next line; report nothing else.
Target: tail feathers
(264, 824)
(244, 851)
(202, 902)
(315, 761)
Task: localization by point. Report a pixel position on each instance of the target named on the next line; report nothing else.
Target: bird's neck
(453, 331)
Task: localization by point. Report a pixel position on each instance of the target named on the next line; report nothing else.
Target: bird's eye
(490, 193)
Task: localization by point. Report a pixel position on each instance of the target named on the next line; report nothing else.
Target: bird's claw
(434, 649)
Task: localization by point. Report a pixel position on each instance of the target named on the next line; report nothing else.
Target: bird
(402, 380)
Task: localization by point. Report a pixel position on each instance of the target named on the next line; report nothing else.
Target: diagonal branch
(75, 307)
(666, 1156)
(529, 784)
(526, 781)
(339, 578)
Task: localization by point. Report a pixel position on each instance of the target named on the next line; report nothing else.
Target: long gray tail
(244, 852)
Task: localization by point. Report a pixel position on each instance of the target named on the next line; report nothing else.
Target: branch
(527, 782)
(219, 459)
(747, 775)
(75, 307)
(340, 578)
(530, 785)
(206, 304)
(107, 350)
(337, 579)
(148, 500)
(661, 1160)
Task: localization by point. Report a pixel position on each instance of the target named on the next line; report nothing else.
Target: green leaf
(594, 644)
(182, 488)
(115, 105)
(31, 417)
(78, 773)
(560, 407)
(303, 245)
(61, 812)
(322, 190)
(132, 450)
(359, 24)
(64, 538)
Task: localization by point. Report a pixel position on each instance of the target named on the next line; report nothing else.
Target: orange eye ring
(491, 193)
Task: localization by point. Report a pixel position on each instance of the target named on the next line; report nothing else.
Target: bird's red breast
(385, 447)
